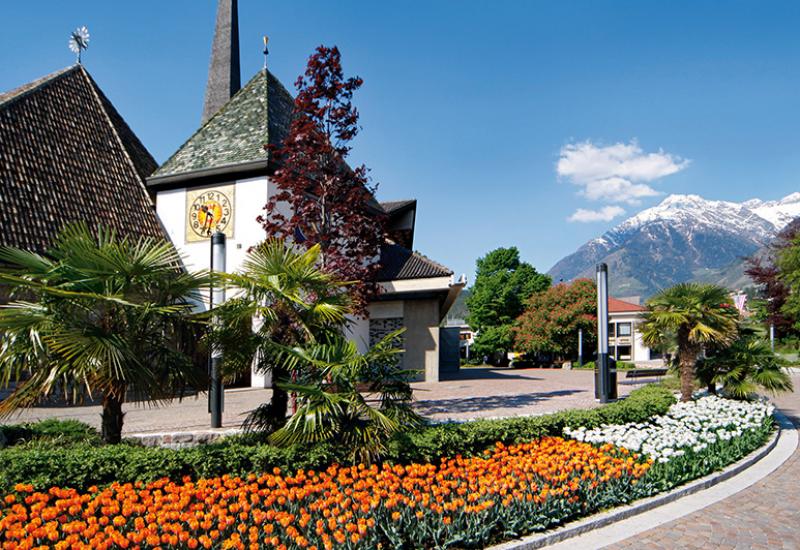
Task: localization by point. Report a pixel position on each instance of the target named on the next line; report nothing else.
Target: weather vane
(266, 50)
(79, 41)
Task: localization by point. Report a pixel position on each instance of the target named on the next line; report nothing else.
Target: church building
(225, 168)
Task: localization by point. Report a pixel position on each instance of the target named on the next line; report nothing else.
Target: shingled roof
(258, 114)
(66, 154)
(398, 263)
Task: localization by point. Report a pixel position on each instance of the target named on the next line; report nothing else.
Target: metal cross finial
(266, 50)
(79, 41)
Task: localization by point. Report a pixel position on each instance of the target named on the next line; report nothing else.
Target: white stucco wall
(250, 196)
(640, 351)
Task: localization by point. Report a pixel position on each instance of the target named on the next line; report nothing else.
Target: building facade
(225, 169)
(624, 338)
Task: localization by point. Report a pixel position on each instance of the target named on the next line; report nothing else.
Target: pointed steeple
(224, 76)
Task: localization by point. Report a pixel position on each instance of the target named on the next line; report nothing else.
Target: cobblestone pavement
(765, 516)
(476, 392)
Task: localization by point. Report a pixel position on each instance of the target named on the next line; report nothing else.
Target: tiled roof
(618, 306)
(66, 154)
(258, 114)
(398, 263)
(393, 206)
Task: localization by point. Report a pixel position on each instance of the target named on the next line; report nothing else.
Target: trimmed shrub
(50, 432)
(83, 464)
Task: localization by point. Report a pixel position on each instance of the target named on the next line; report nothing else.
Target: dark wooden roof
(399, 263)
(66, 154)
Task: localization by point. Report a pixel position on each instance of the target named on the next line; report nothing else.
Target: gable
(65, 155)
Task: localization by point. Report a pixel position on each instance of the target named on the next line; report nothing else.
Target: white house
(224, 168)
(624, 339)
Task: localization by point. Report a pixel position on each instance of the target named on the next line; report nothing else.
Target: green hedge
(473, 437)
(84, 464)
(49, 432)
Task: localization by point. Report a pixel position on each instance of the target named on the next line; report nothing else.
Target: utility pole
(217, 296)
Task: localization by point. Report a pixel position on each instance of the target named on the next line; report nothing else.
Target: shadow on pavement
(488, 403)
(480, 373)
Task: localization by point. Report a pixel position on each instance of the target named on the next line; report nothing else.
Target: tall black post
(602, 378)
(217, 296)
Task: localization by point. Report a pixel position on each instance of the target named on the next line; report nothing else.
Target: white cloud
(605, 214)
(616, 189)
(618, 173)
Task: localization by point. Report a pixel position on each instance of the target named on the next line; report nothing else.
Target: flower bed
(465, 502)
(691, 426)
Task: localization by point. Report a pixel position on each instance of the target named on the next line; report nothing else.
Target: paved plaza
(473, 393)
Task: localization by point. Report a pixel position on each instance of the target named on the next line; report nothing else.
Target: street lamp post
(217, 296)
(580, 347)
(602, 378)
(771, 325)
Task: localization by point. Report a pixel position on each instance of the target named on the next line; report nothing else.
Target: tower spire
(224, 75)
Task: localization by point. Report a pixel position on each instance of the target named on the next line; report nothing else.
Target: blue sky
(471, 107)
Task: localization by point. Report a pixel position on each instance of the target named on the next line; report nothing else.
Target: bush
(84, 464)
(470, 438)
(50, 432)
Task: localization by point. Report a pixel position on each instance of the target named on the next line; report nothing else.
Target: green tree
(743, 367)
(695, 315)
(788, 268)
(279, 296)
(356, 400)
(552, 318)
(97, 315)
(497, 298)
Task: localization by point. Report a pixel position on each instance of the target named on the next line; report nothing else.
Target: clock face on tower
(208, 210)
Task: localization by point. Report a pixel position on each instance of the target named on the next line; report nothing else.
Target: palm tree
(696, 315)
(280, 295)
(357, 400)
(97, 315)
(745, 366)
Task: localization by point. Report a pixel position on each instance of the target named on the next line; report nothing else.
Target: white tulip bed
(691, 426)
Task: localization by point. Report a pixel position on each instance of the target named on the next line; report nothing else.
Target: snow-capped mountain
(684, 238)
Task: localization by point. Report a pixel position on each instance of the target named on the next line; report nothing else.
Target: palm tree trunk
(687, 356)
(113, 416)
(279, 402)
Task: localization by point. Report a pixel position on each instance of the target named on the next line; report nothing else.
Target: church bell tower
(224, 75)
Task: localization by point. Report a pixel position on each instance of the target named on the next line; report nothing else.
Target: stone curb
(603, 519)
(179, 440)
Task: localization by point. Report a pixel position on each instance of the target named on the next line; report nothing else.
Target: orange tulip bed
(461, 502)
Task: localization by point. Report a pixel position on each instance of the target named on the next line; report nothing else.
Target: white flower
(693, 425)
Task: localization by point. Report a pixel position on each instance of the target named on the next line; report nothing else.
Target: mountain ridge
(683, 238)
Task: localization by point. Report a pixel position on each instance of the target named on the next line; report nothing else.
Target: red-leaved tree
(329, 202)
(762, 269)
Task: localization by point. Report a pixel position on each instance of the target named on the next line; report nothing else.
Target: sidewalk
(765, 516)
